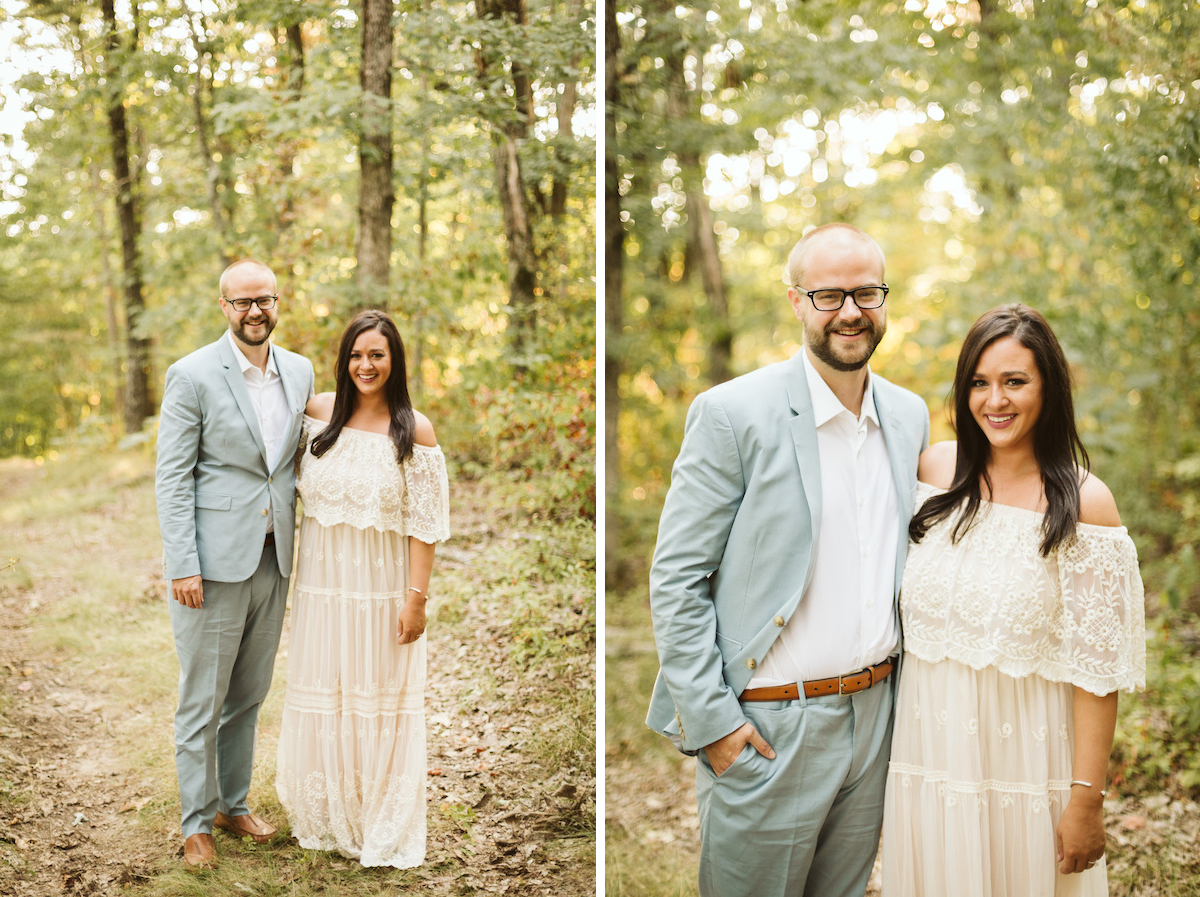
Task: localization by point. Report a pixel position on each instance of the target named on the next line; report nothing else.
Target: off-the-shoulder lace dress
(995, 639)
(351, 764)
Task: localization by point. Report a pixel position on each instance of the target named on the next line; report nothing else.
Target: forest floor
(88, 799)
(652, 843)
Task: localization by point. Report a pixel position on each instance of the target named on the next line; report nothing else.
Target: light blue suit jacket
(212, 481)
(736, 539)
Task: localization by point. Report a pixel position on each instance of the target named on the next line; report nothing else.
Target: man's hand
(722, 752)
(189, 591)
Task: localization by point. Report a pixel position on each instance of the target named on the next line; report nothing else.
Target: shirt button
(751, 663)
(778, 621)
(270, 479)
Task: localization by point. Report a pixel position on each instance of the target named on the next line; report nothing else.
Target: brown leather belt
(849, 684)
(269, 541)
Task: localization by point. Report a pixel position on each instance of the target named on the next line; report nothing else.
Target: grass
(85, 530)
(646, 853)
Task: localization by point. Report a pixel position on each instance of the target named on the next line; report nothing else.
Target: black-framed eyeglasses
(832, 300)
(263, 302)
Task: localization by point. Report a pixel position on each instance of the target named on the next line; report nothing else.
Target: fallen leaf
(25, 686)
(1133, 823)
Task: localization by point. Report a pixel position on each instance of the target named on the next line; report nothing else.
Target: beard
(240, 331)
(854, 359)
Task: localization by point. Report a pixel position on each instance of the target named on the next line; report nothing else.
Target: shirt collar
(245, 363)
(827, 406)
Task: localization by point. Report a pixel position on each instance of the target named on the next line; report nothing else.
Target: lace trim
(358, 482)
(992, 600)
(340, 596)
(908, 771)
(382, 701)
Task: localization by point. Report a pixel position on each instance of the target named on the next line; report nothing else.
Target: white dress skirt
(351, 765)
(996, 638)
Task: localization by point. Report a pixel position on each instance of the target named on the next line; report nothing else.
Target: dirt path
(65, 824)
(70, 796)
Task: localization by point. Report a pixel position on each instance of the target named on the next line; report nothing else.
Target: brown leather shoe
(200, 851)
(248, 826)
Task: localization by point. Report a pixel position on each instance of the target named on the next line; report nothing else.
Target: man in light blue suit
(226, 491)
(773, 590)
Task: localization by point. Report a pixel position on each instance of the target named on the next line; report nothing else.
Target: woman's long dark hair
(1056, 444)
(403, 426)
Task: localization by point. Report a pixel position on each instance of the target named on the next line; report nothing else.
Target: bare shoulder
(320, 406)
(1096, 503)
(424, 434)
(936, 466)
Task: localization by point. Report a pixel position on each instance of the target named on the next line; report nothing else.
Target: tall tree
(508, 16)
(614, 287)
(683, 111)
(138, 404)
(376, 193)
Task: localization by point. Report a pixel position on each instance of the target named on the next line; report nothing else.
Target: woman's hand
(412, 619)
(1080, 835)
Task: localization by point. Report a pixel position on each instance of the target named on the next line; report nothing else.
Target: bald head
(246, 266)
(823, 239)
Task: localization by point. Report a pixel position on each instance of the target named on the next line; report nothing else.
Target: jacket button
(778, 621)
(751, 663)
(265, 512)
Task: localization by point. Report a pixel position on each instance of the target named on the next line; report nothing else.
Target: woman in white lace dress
(1022, 612)
(351, 766)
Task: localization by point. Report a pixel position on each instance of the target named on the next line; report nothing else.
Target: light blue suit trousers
(806, 824)
(226, 660)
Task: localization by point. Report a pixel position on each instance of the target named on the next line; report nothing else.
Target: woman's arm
(412, 615)
(1080, 832)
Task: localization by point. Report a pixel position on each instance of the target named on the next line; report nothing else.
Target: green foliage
(1158, 729)
(462, 818)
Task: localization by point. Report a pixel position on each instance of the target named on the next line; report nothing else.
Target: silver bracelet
(418, 591)
(1087, 785)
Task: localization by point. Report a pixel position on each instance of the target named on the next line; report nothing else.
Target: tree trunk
(216, 183)
(707, 254)
(614, 286)
(291, 90)
(416, 346)
(376, 194)
(702, 248)
(566, 134)
(510, 184)
(138, 405)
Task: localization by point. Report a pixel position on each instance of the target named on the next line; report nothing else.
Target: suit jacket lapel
(295, 395)
(903, 476)
(241, 395)
(804, 436)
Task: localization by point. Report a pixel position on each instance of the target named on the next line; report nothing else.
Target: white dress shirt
(845, 620)
(270, 404)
